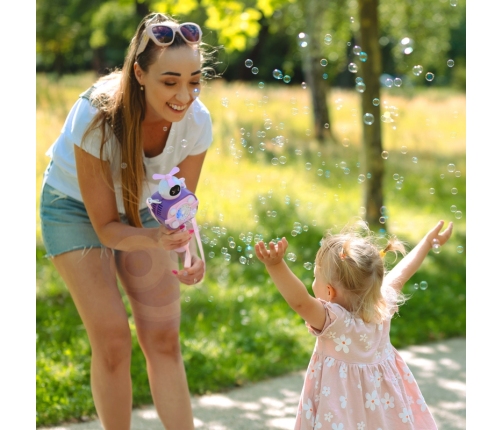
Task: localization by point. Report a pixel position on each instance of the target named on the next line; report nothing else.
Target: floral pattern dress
(356, 380)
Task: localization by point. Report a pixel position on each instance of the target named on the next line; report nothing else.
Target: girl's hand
(274, 254)
(173, 239)
(193, 274)
(443, 237)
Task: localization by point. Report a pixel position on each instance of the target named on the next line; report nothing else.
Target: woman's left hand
(193, 274)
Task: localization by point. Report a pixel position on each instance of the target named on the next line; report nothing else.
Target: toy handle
(188, 256)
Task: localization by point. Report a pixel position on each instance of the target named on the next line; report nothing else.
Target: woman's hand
(193, 274)
(274, 254)
(173, 239)
(434, 234)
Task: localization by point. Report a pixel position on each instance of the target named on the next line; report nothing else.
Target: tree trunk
(372, 161)
(311, 65)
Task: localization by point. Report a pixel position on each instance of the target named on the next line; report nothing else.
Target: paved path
(269, 405)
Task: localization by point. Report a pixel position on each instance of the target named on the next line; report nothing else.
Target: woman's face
(171, 84)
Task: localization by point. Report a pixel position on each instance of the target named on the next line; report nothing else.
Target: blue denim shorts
(66, 226)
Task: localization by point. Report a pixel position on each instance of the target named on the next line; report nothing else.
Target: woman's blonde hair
(122, 107)
(354, 261)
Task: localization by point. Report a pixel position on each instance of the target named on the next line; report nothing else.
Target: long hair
(122, 109)
(352, 259)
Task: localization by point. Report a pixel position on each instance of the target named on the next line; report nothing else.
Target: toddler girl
(356, 379)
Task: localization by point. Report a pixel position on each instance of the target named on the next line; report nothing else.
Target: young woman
(96, 226)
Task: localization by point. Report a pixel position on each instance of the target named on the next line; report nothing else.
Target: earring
(141, 87)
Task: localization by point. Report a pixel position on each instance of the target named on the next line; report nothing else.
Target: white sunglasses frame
(148, 35)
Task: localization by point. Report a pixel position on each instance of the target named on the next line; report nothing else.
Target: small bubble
(304, 85)
(242, 259)
(184, 143)
(170, 149)
(381, 220)
(454, 191)
(363, 56)
(287, 79)
(324, 62)
(368, 118)
(359, 79)
(346, 142)
(325, 76)
(404, 149)
(328, 39)
(376, 102)
(416, 286)
(224, 102)
(352, 68)
(453, 208)
(275, 161)
(308, 166)
(458, 174)
(277, 74)
(432, 190)
(415, 160)
(361, 178)
(389, 82)
(460, 249)
(429, 76)
(423, 285)
(291, 257)
(357, 50)
(398, 82)
(417, 70)
(458, 214)
(451, 167)
(248, 63)
(282, 159)
(385, 155)
(360, 87)
(165, 129)
(453, 3)
(307, 266)
(436, 246)
(261, 84)
(254, 70)
(187, 299)
(450, 63)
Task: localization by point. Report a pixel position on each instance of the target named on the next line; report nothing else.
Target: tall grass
(235, 325)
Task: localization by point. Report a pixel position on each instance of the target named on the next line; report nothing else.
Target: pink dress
(356, 380)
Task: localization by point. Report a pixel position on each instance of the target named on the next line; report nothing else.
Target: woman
(142, 120)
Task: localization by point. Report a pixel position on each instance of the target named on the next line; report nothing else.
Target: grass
(235, 326)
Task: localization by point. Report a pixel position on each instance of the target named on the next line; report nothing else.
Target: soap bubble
(398, 82)
(277, 74)
(460, 249)
(184, 143)
(304, 85)
(429, 76)
(357, 50)
(417, 70)
(254, 70)
(303, 40)
(451, 167)
(328, 39)
(291, 257)
(324, 62)
(432, 190)
(376, 102)
(436, 246)
(458, 214)
(368, 118)
(360, 87)
(242, 259)
(385, 155)
(287, 79)
(353, 67)
(423, 285)
(407, 45)
(361, 178)
(389, 82)
(224, 102)
(454, 191)
(363, 56)
(248, 63)
(308, 266)
(450, 63)
(416, 286)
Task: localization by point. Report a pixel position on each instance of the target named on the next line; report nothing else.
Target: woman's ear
(331, 292)
(138, 72)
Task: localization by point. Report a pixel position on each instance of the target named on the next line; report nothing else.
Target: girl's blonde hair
(354, 261)
(122, 107)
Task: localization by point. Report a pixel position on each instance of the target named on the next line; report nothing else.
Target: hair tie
(382, 253)
(342, 256)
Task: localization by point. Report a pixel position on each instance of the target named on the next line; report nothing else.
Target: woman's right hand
(173, 239)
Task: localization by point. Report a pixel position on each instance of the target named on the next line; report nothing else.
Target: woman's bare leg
(154, 294)
(91, 280)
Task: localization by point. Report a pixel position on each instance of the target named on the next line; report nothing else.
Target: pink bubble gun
(173, 205)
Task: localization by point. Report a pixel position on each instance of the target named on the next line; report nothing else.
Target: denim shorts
(66, 225)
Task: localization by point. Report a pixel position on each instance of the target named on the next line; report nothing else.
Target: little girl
(356, 379)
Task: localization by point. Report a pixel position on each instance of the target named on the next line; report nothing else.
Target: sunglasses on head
(163, 34)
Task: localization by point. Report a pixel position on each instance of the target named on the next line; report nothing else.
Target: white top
(190, 136)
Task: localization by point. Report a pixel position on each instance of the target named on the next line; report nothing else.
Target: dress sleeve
(333, 313)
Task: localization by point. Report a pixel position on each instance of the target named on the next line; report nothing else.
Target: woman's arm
(96, 187)
(405, 269)
(288, 284)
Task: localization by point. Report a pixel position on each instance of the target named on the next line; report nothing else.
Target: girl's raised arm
(288, 284)
(405, 269)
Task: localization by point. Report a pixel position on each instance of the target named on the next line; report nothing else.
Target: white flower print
(407, 374)
(347, 321)
(343, 343)
(343, 402)
(335, 426)
(329, 361)
(395, 380)
(308, 408)
(405, 415)
(332, 334)
(328, 417)
(326, 390)
(410, 400)
(387, 401)
(359, 386)
(314, 370)
(376, 378)
(372, 400)
(316, 385)
(317, 423)
(368, 345)
(361, 425)
(378, 355)
(421, 402)
(363, 338)
(317, 398)
(343, 371)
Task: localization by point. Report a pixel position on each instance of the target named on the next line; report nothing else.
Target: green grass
(236, 327)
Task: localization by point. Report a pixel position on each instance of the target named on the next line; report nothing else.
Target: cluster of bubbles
(407, 45)
(423, 285)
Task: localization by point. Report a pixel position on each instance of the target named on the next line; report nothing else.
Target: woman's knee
(112, 348)
(160, 341)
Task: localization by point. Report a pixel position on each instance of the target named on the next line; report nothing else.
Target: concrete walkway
(438, 367)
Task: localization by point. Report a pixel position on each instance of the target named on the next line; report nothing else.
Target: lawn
(265, 177)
